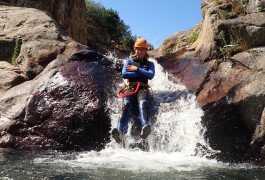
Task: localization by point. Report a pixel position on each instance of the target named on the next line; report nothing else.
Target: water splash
(176, 119)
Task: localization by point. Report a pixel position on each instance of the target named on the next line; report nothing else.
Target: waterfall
(176, 122)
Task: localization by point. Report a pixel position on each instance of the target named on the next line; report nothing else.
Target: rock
(71, 15)
(248, 30)
(190, 72)
(256, 6)
(10, 76)
(63, 108)
(258, 143)
(40, 40)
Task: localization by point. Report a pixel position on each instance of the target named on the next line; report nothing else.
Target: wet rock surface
(63, 108)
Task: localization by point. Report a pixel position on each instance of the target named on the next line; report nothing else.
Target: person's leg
(126, 108)
(143, 102)
(118, 132)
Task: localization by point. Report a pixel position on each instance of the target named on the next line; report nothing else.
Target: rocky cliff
(225, 68)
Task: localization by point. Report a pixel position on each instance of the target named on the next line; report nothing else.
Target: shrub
(231, 43)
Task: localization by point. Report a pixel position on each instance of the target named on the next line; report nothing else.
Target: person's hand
(131, 68)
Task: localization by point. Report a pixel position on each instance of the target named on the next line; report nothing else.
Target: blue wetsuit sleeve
(126, 74)
(150, 73)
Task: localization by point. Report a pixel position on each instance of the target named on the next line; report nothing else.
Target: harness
(133, 86)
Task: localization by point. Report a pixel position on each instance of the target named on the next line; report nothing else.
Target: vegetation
(14, 56)
(224, 14)
(217, 2)
(108, 28)
(236, 8)
(239, 7)
(128, 42)
(227, 44)
(194, 35)
(232, 41)
(167, 51)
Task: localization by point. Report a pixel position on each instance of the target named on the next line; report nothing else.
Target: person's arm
(150, 73)
(129, 74)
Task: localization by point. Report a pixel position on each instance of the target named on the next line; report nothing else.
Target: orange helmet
(141, 43)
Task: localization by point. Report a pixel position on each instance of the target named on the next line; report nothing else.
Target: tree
(128, 42)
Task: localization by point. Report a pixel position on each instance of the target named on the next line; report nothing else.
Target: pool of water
(123, 164)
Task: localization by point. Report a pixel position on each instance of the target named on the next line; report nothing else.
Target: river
(177, 148)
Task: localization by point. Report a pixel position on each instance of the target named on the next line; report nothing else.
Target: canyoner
(136, 94)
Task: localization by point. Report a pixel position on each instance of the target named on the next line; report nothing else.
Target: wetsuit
(145, 71)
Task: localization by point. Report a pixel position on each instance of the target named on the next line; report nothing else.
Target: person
(138, 70)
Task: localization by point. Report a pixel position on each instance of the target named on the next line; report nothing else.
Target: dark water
(52, 165)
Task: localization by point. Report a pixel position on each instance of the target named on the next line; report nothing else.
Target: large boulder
(63, 108)
(71, 15)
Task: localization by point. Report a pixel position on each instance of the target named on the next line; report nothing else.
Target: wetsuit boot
(146, 130)
(117, 135)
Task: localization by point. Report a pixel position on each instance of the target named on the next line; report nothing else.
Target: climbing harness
(130, 85)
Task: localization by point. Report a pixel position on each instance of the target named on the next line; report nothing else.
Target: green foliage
(239, 7)
(194, 35)
(128, 42)
(14, 56)
(224, 14)
(150, 47)
(167, 51)
(107, 21)
(228, 44)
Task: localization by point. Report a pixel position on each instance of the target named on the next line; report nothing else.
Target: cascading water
(176, 138)
(175, 120)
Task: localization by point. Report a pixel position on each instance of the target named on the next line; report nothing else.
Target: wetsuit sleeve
(126, 74)
(150, 73)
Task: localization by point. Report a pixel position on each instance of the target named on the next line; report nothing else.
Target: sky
(156, 20)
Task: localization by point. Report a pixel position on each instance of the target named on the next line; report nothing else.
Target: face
(140, 52)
